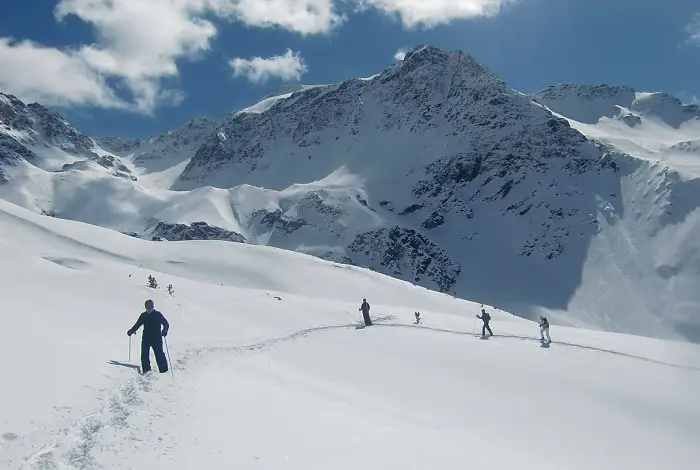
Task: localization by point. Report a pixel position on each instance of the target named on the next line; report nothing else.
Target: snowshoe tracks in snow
(73, 448)
(557, 343)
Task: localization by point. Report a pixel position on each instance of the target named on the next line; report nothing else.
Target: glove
(129, 333)
(165, 332)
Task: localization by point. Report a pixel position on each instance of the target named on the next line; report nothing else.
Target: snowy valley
(273, 223)
(578, 202)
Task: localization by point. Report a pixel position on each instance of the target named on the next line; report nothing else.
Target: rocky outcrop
(406, 254)
(194, 231)
(42, 127)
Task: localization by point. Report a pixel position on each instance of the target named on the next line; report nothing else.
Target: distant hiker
(364, 308)
(417, 318)
(151, 320)
(544, 329)
(486, 318)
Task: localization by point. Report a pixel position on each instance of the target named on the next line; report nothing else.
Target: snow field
(270, 370)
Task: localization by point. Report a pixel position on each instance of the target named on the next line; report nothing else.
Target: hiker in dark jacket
(365, 312)
(486, 318)
(544, 329)
(151, 320)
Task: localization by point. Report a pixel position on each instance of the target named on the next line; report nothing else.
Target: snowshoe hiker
(152, 320)
(544, 329)
(486, 318)
(364, 308)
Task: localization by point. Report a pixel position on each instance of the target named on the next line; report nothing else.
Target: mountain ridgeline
(433, 171)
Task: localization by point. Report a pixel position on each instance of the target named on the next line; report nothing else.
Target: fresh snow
(164, 178)
(265, 104)
(269, 101)
(270, 370)
(649, 126)
(651, 140)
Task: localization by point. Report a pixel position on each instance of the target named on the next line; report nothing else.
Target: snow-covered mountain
(588, 104)
(271, 370)
(651, 126)
(434, 171)
(161, 158)
(34, 134)
(576, 201)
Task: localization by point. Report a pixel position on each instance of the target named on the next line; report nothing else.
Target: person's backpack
(487, 317)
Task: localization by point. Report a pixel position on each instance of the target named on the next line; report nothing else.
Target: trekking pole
(474, 327)
(129, 348)
(167, 351)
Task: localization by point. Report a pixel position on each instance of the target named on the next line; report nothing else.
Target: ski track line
(72, 448)
(558, 343)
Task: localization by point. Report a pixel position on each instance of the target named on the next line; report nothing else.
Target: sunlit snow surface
(270, 369)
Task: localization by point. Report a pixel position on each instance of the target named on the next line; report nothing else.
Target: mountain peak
(41, 123)
(430, 57)
(424, 52)
(11, 100)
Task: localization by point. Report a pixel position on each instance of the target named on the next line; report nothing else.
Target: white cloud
(693, 30)
(400, 54)
(289, 66)
(138, 46)
(139, 42)
(301, 16)
(430, 13)
(51, 76)
(133, 61)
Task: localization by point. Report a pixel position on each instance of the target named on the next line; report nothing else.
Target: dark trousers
(484, 328)
(157, 345)
(368, 321)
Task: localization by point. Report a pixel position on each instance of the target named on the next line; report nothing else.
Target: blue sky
(136, 68)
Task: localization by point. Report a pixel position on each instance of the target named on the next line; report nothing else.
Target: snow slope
(270, 370)
(160, 160)
(645, 243)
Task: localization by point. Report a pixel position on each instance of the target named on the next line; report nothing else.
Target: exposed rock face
(29, 130)
(115, 167)
(36, 125)
(406, 254)
(194, 231)
(117, 145)
(163, 150)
